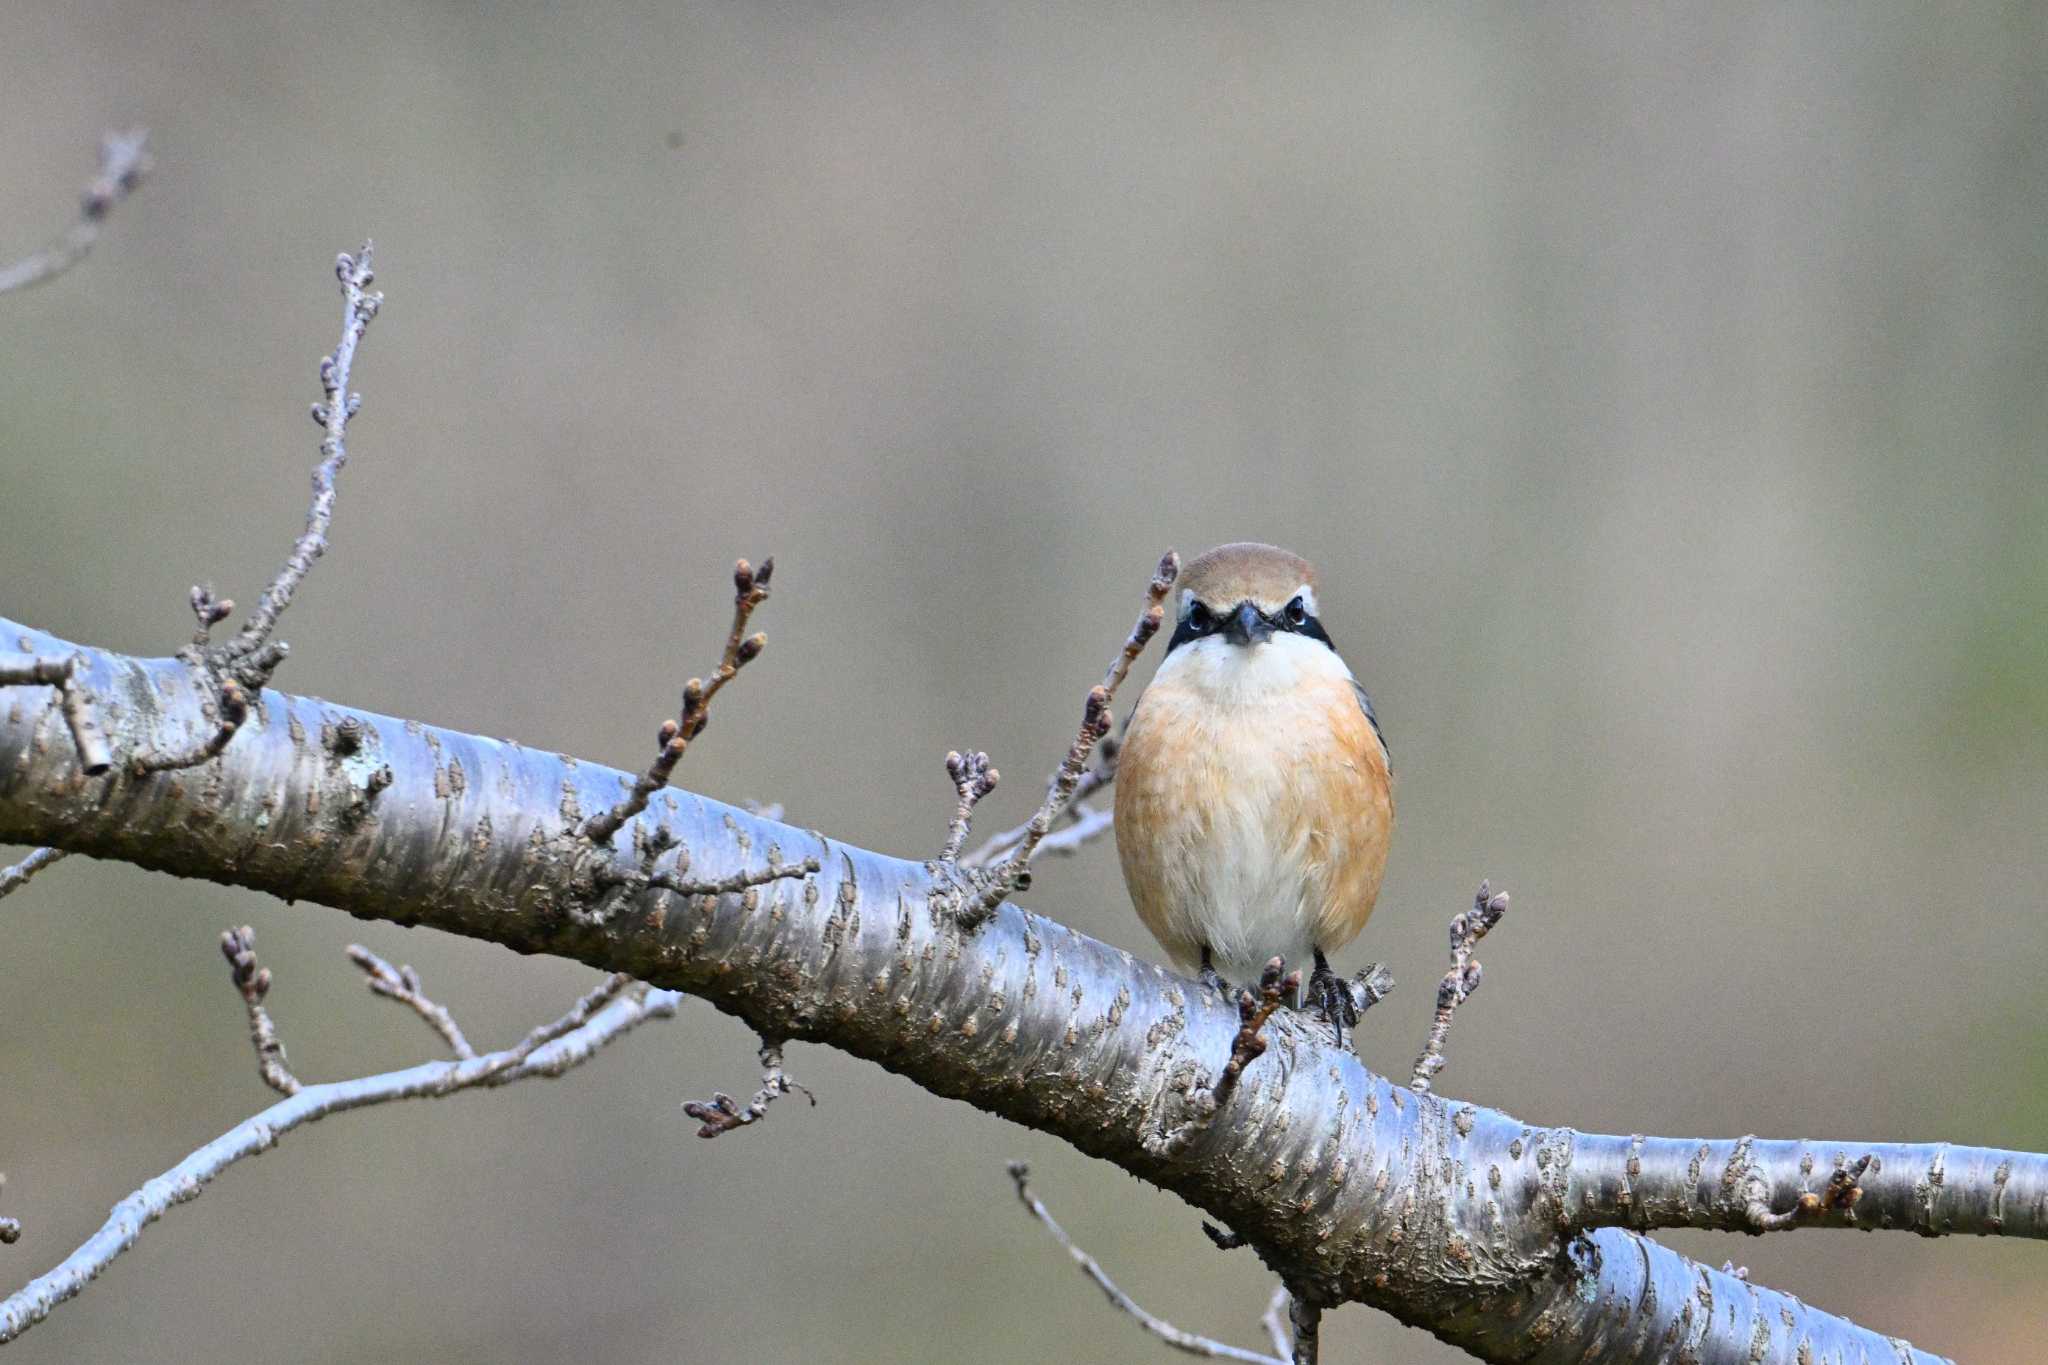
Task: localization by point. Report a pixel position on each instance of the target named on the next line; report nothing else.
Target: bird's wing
(1365, 705)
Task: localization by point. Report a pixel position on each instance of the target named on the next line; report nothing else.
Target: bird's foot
(1213, 980)
(1332, 997)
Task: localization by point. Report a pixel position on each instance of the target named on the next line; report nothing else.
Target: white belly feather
(1224, 806)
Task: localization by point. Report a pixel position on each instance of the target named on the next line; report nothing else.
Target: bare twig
(234, 709)
(1844, 1189)
(1084, 823)
(675, 881)
(582, 1012)
(124, 160)
(616, 1007)
(973, 779)
(1173, 1336)
(738, 881)
(1460, 981)
(31, 670)
(209, 611)
(251, 654)
(10, 1228)
(1202, 1103)
(1014, 873)
(1278, 1323)
(242, 666)
(1061, 840)
(403, 985)
(238, 946)
(15, 877)
(723, 1113)
(1252, 1014)
(750, 590)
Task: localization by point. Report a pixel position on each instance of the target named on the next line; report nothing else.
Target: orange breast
(1257, 827)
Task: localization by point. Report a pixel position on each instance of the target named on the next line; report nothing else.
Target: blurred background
(1663, 393)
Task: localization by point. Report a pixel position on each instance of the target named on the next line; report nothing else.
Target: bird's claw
(1332, 998)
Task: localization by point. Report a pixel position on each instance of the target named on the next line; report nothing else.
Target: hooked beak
(1247, 626)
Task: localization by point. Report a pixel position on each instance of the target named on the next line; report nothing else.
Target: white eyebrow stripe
(1308, 598)
(1187, 599)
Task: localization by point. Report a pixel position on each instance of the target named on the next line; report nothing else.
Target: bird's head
(1245, 595)
(1248, 625)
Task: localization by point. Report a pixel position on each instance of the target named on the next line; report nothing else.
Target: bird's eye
(1199, 619)
(1296, 612)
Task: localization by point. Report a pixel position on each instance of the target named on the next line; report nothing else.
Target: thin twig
(735, 883)
(251, 645)
(1092, 780)
(242, 666)
(673, 880)
(1014, 873)
(723, 1113)
(10, 1228)
(1203, 1103)
(234, 710)
(750, 590)
(1460, 981)
(609, 1012)
(1252, 1014)
(403, 985)
(1278, 1324)
(1844, 1189)
(124, 160)
(1175, 1337)
(15, 877)
(73, 703)
(580, 1013)
(238, 946)
(1062, 838)
(973, 779)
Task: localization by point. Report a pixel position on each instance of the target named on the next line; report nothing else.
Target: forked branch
(615, 1007)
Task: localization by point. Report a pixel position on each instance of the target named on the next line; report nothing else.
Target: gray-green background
(1661, 390)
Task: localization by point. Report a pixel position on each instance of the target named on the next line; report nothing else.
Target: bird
(1254, 788)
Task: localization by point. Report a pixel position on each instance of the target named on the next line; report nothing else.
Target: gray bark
(1516, 1242)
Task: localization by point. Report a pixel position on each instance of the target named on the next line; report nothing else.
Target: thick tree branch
(1489, 1232)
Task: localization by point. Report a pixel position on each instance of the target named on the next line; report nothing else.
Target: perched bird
(1254, 795)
